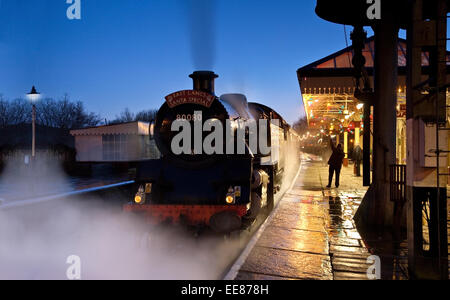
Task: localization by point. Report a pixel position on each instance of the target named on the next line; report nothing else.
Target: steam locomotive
(225, 189)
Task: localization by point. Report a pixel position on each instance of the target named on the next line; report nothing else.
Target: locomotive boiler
(225, 189)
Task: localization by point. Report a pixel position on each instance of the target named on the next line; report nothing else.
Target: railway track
(53, 197)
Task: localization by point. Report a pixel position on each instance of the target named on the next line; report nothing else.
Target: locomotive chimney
(204, 81)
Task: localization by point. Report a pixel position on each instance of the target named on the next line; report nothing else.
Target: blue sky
(132, 53)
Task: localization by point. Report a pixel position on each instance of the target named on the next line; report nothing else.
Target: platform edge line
(234, 270)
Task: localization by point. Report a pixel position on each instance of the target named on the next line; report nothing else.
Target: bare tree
(59, 114)
(4, 107)
(19, 112)
(146, 115)
(127, 116)
(124, 117)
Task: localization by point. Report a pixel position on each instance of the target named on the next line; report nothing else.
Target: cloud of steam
(202, 27)
(109, 245)
(36, 240)
(292, 163)
(19, 181)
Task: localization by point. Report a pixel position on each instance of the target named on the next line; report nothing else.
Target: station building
(119, 143)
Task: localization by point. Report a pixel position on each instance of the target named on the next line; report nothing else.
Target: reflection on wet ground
(312, 234)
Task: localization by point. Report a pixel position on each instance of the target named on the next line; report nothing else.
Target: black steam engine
(224, 189)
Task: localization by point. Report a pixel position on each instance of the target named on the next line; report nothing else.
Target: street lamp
(33, 96)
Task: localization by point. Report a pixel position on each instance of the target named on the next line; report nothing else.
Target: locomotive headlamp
(229, 199)
(138, 199)
(140, 196)
(233, 193)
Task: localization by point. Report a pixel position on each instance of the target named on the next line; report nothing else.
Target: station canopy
(328, 86)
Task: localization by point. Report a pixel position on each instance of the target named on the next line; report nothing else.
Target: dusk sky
(132, 53)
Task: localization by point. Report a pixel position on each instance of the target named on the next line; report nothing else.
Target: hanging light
(33, 96)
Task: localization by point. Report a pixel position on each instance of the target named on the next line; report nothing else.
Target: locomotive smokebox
(204, 81)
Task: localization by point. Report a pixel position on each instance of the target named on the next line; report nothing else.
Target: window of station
(115, 147)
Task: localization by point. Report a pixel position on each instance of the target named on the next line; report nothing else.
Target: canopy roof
(336, 70)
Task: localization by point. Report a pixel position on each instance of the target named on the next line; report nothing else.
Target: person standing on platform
(358, 156)
(335, 162)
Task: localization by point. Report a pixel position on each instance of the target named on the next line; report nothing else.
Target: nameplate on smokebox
(190, 97)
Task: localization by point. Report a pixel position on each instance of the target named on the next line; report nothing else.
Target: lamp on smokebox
(33, 96)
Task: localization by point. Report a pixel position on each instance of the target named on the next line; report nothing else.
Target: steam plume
(202, 33)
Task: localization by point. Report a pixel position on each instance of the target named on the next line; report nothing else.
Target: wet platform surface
(311, 234)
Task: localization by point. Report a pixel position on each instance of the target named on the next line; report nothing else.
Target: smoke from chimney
(202, 33)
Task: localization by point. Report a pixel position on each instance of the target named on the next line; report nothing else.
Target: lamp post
(33, 96)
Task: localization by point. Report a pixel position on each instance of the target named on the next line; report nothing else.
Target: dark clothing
(335, 163)
(358, 168)
(337, 157)
(331, 173)
(358, 156)
(357, 153)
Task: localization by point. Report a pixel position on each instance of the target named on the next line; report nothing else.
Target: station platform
(311, 234)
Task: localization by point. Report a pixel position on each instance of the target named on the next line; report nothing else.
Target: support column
(385, 117)
(357, 136)
(367, 139)
(377, 211)
(346, 147)
(33, 129)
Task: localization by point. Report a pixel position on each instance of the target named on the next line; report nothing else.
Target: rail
(39, 200)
